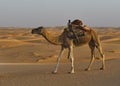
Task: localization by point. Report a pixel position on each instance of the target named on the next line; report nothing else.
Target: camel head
(38, 30)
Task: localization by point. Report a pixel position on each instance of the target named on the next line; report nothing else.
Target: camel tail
(95, 38)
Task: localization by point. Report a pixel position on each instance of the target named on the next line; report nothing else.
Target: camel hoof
(102, 68)
(54, 72)
(71, 72)
(87, 69)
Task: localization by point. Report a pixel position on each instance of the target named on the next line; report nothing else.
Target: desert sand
(28, 60)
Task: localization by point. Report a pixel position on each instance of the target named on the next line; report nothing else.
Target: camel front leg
(71, 59)
(58, 59)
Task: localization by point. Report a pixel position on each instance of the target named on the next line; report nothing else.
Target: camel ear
(40, 27)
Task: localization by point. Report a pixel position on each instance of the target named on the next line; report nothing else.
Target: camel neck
(52, 39)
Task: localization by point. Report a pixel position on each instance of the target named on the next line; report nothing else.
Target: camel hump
(77, 22)
(86, 28)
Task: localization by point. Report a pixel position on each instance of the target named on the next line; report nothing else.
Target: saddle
(77, 30)
(76, 33)
(78, 24)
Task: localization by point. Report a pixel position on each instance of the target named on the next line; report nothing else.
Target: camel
(91, 38)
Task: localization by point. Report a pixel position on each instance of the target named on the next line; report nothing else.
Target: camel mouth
(32, 32)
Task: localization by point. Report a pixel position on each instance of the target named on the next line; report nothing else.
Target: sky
(34, 13)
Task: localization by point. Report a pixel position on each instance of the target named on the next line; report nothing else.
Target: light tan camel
(91, 38)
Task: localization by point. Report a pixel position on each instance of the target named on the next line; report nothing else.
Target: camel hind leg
(92, 47)
(95, 42)
(99, 47)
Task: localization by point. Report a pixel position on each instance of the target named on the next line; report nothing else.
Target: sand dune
(18, 45)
